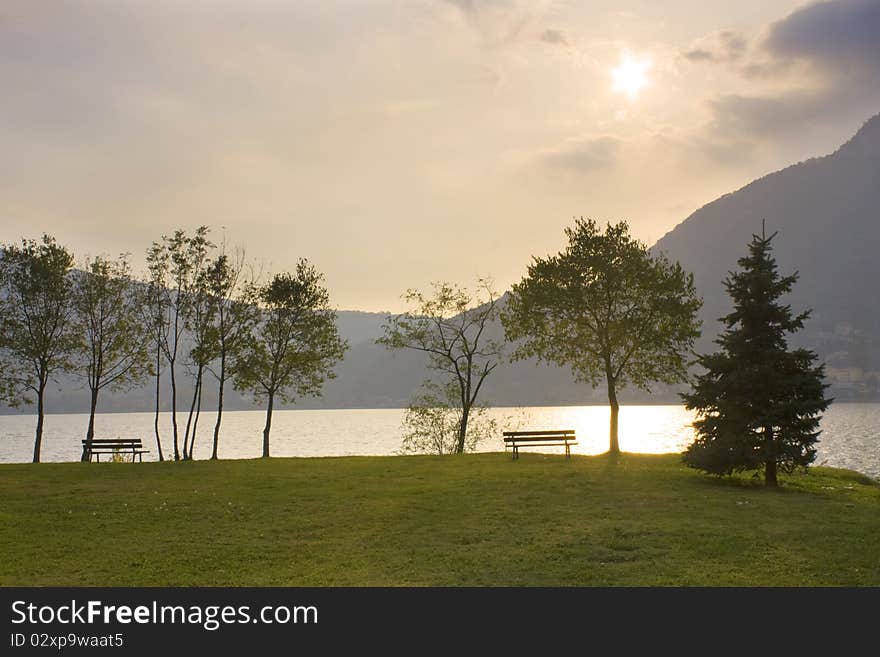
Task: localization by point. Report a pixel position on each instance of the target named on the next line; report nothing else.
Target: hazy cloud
(554, 37)
(837, 34)
(585, 155)
(766, 116)
(464, 5)
(501, 22)
(722, 47)
(699, 55)
(827, 58)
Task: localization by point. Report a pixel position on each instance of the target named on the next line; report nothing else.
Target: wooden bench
(555, 438)
(132, 446)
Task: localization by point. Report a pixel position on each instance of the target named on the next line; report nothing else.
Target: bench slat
(127, 450)
(110, 443)
(111, 448)
(550, 444)
(525, 439)
(535, 443)
(98, 441)
(554, 432)
(115, 442)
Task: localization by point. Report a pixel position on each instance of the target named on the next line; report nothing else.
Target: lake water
(850, 432)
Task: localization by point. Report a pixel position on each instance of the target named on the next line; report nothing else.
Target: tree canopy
(294, 345)
(37, 339)
(609, 309)
(107, 318)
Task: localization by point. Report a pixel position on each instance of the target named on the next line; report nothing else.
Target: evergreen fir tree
(758, 402)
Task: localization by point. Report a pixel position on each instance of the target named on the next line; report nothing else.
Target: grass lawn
(422, 520)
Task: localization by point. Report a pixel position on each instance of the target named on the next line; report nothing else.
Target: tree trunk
(187, 449)
(462, 429)
(38, 438)
(613, 443)
(219, 406)
(192, 438)
(90, 432)
(268, 426)
(156, 417)
(174, 411)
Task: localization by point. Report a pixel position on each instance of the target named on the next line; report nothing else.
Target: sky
(396, 143)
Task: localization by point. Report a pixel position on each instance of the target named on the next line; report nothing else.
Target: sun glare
(630, 76)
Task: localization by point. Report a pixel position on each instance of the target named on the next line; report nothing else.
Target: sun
(631, 75)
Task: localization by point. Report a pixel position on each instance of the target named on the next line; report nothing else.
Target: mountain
(826, 211)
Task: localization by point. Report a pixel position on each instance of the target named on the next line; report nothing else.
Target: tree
(452, 327)
(758, 403)
(234, 315)
(433, 420)
(199, 321)
(155, 303)
(294, 346)
(35, 321)
(178, 258)
(106, 316)
(609, 309)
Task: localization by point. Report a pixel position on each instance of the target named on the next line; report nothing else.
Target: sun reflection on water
(647, 429)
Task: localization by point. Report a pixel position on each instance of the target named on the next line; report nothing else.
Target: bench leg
(567, 451)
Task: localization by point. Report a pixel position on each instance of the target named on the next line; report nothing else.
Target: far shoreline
(12, 412)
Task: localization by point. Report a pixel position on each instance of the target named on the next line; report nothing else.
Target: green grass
(422, 520)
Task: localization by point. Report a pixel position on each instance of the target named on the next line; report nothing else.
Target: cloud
(836, 34)
(464, 5)
(836, 38)
(720, 47)
(585, 155)
(699, 55)
(554, 36)
(766, 116)
(824, 57)
(500, 22)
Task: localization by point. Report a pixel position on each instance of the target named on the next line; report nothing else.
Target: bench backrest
(115, 443)
(523, 436)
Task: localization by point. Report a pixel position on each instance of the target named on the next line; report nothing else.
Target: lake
(850, 432)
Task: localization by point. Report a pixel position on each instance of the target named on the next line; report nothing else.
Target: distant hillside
(827, 213)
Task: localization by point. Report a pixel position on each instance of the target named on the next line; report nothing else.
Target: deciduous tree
(234, 314)
(37, 336)
(175, 261)
(113, 336)
(155, 304)
(294, 346)
(609, 309)
(452, 326)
